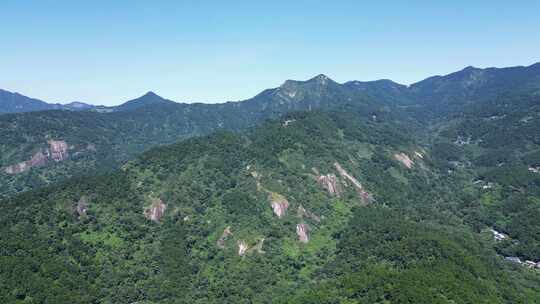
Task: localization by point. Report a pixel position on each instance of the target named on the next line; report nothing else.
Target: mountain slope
(285, 211)
(449, 93)
(148, 99)
(493, 151)
(104, 140)
(151, 120)
(17, 103)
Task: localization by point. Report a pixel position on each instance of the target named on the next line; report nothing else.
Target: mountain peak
(151, 94)
(470, 68)
(321, 78)
(150, 98)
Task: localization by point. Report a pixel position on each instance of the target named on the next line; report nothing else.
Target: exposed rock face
(242, 247)
(302, 212)
(279, 204)
(365, 196)
(288, 121)
(498, 236)
(156, 211)
(58, 151)
(226, 233)
(82, 206)
(534, 169)
(404, 159)
(258, 247)
(38, 159)
(330, 183)
(302, 230)
(17, 168)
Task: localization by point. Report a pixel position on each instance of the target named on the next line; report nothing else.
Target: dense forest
(103, 141)
(312, 208)
(312, 192)
(493, 148)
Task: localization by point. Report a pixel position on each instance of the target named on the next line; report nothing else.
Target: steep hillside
(97, 141)
(312, 208)
(147, 99)
(104, 140)
(443, 95)
(492, 152)
(15, 103)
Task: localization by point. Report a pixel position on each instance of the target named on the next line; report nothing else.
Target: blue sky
(106, 52)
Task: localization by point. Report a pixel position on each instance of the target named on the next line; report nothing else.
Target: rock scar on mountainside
(82, 206)
(242, 247)
(302, 230)
(279, 204)
(155, 211)
(226, 233)
(277, 201)
(57, 151)
(365, 196)
(404, 159)
(302, 212)
(258, 247)
(330, 183)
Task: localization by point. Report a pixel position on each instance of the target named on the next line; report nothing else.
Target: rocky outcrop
(38, 159)
(498, 236)
(242, 247)
(330, 183)
(58, 151)
(226, 233)
(279, 204)
(302, 230)
(156, 211)
(365, 196)
(534, 169)
(82, 206)
(288, 121)
(404, 159)
(303, 213)
(16, 168)
(258, 247)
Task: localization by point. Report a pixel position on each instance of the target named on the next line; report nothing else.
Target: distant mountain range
(436, 92)
(17, 103)
(116, 134)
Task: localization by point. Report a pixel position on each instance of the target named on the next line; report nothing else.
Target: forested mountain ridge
(148, 99)
(97, 141)
(448, 94)
(105, 140)
(452, 90)
(17, 103)
(313, 208)
(492, 149)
